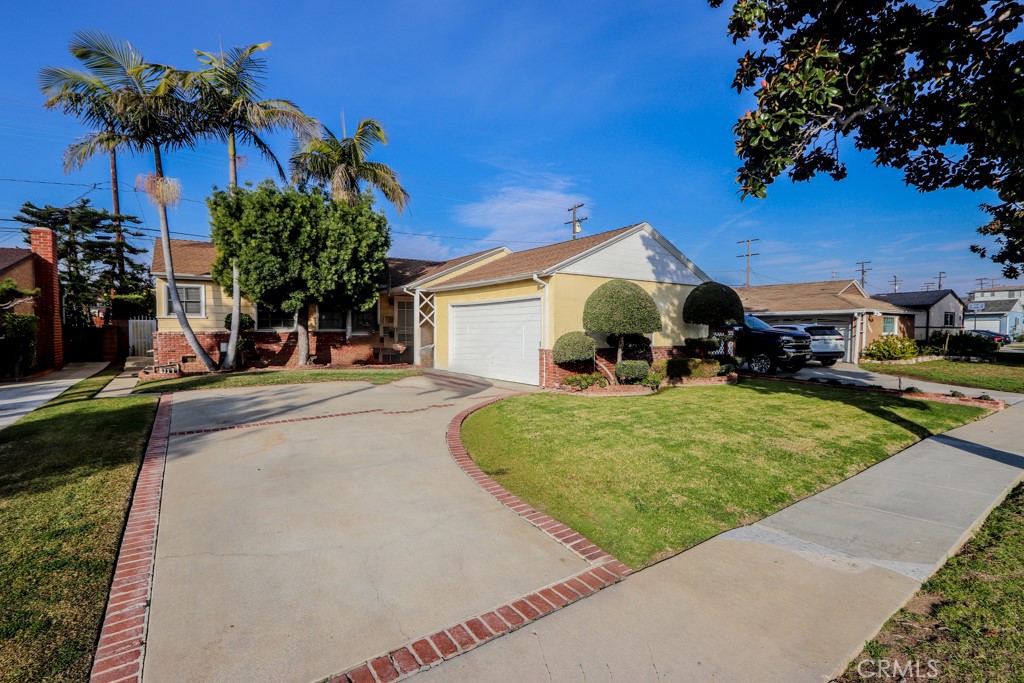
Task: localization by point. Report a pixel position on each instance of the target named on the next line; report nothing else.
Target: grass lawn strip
(257, 378)
(66, 476)
(993, 376)
(647, 477)
(967, 617)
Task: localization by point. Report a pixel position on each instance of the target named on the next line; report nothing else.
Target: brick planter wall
(273, 349)
(552, 374)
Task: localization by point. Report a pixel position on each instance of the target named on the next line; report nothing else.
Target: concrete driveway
(848, 372)
(293, 550)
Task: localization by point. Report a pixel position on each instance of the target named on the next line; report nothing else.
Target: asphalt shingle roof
(535, 260)
(830, 295)
(11, 255)
(915, 299)
(996, 305)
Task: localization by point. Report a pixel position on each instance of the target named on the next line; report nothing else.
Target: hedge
(632, 371)
(573, 347)
(17, 343)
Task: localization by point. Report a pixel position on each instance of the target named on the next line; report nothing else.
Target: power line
(575, 222)
(863, 273)
(748, 255)
(942, 274)
(896, 282)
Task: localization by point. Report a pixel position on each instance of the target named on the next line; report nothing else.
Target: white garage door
(983, 324)
(497, 340)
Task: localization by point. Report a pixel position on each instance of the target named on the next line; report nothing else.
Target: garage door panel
(499, 340)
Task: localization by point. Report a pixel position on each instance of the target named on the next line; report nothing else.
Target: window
(364, 322)
(889, 324)
(268, 318)
(404, 328)
(192, 300)
(331, 317)
(949, 319)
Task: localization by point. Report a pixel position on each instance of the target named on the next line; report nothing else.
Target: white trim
(184, 276)
(168, 304)
(484, 283)
(294, 327)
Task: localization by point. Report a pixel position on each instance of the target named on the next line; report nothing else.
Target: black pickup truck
(765, 348)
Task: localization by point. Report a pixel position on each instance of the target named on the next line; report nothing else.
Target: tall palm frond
(342, 164)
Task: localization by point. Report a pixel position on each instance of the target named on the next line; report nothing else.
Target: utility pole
(748, 255)
(575, 222)
(981, 282)
(942, 274)
(896, 282)
(863, 273)
(928, 286)
(834, 275)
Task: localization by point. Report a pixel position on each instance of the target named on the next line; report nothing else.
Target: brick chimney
(49, 333)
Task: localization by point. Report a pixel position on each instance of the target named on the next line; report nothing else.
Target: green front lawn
(66, 475)
(646, 477)
(967, 617)
(258, 378)
(994, 376)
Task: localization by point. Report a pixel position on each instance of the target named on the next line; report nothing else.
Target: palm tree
(341, 164)
(227, 93)
(150, 114)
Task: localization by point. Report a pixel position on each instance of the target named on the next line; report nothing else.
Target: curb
(121, 646)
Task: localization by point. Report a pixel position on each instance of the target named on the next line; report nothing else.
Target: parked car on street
(765, 348)
(827, 344)
(997, 337)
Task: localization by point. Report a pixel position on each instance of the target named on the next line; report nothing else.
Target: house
(842, 304)
(989, 293)
(495, 313)
(938, 310)
(1005, 316)
(37, 268)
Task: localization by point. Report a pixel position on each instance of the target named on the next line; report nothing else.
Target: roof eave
(422, 281)
(484, 283)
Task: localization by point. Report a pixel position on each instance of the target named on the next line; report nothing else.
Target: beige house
(495, 313)
(842, 304)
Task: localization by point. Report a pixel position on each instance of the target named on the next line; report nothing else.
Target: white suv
(827, 344)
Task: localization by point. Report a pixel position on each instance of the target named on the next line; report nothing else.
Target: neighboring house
(989, 293)
(37, 268)
(938, 310)
(840, 303)
(495, 313)
(1005, 316)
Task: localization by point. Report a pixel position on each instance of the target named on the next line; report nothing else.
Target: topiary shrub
(573, 347)
(619, 307)
(891, 347)
(713, 304)
(245, 323)
(632, 371)
(634, 346)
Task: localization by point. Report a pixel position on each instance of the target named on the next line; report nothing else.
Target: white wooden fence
(140, 336)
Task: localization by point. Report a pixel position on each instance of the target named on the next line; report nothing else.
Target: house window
(334, 317)
(268, 318)
(331, 317)
(192, 300)
(405, 324)
(948, 319)
(889, 324)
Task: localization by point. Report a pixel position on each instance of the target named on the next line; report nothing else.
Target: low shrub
(912, 390)
(632, 371)
(653, 380)
(245, 323)
(692, 367)
(891, 347)
(962, 344)
(17, 343)
(700, 347)
(956, 394)
(586, 380)
(573, 347)
(660, 366)
(984, 397)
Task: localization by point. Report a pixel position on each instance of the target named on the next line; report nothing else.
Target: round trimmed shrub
(632, 371)
(573, 347)
(620, 307)
(713, 304)
(245, 323)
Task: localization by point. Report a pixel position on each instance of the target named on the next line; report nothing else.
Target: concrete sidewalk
(847, 372)
(790, 598)
(20, 398)
(123, 384)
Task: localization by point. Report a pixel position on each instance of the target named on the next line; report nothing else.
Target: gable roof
(921, 299)
(443, 267)
(996, 306)
(834, 296)
(195, 258)
(12, 255)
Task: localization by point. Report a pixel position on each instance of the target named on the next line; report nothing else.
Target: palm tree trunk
(236, 298)
(115, 207)
(172, 284)
(302, 329)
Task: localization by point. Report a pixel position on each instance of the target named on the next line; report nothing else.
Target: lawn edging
(121, 646)
(995, 404)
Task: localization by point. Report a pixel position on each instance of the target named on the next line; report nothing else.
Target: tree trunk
(115, 207)
(172, 284)
(622, 345)
(302, 329)
(236, 299)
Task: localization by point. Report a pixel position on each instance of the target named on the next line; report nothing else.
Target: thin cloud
(531, 210)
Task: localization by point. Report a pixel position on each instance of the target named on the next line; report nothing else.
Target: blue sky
(501, 116)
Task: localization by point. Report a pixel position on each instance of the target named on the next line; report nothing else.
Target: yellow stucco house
(494, 314)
